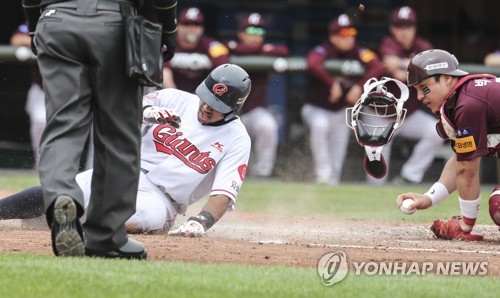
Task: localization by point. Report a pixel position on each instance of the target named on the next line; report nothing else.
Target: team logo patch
(219, 89)
(464, 132)
(218, 146)
(217, 49)
(152, 95)
(367, 55)
(242, 170)
(465, 145)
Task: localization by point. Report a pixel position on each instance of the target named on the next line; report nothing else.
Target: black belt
(101, 5)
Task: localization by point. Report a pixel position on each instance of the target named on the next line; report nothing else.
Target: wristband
(206, 219)
(437, 193)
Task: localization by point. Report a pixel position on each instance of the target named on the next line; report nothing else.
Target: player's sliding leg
(25, 204)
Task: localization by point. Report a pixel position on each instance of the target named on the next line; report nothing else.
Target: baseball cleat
(67, 236)
(451, 230)
(130, 250)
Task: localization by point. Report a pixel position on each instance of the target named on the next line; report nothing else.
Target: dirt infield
(291, 241)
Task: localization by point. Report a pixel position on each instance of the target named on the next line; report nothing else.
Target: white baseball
(405, 207)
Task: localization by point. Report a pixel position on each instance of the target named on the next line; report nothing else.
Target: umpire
(81, 55)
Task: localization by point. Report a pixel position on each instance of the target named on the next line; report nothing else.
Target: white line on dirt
(384, 248)
(411, 249)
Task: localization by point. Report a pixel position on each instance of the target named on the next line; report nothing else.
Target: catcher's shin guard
(451, 230)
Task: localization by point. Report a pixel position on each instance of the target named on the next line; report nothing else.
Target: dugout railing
(15, 146)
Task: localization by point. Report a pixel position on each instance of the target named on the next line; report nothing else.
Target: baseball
(405, 207)
(361, 7)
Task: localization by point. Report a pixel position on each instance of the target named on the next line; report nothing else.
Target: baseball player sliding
(182, 162)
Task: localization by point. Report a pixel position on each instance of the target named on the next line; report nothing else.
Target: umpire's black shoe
(131, 250)
(66, 230)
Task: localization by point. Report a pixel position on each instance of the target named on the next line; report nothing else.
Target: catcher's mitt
(450, 230)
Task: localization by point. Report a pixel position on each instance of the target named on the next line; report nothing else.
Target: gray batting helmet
(225, 89)
(432, 62)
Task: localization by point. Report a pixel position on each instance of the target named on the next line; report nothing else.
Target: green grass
(345, 201)
(25, 275)
(17, 180)
(47, 276)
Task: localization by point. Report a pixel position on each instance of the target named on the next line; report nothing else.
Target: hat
(191, 15)
(342, 25)
(403, 16)
(253, 19)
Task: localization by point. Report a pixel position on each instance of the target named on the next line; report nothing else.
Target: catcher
(468, 109)
(180, 164)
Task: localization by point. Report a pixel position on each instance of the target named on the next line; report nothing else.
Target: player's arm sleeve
(471, 119)
(315, 60)
(160, 98)
(32, 13)
(232, 170)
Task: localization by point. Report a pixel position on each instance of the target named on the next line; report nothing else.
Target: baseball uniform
(181, 165)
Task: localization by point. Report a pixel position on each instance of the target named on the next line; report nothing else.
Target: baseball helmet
(365, 116)
(432, 62)
(225, 89)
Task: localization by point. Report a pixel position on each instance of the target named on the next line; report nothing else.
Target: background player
(469, 108)
(396, 51)
(329, 95)
(261, 124)
(196, 54)
(208, 153)
(35, 102)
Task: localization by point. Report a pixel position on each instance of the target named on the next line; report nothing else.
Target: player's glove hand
(34, 48)
(158, 115)
(191, 228)
(169, 43)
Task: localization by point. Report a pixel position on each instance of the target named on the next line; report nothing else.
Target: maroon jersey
(321, 80)
(389, 46)
(475, 115)
(257, 96)
(191, 66)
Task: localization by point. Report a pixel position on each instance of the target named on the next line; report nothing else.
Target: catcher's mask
(377, 103)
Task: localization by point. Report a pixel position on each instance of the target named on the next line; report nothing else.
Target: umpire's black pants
(81, 56)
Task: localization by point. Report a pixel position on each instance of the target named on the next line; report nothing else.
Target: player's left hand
(191, 228)
(159, 115)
